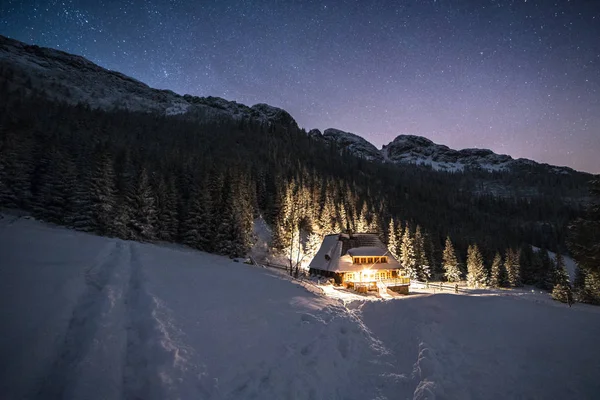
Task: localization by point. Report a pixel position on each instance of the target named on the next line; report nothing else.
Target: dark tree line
(584, 242)
(201, 181)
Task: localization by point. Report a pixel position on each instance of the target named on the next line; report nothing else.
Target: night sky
(519, 77)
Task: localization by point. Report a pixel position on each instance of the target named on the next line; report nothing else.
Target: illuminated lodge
(359, 261)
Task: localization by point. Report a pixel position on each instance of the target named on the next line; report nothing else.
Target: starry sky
(520, 77)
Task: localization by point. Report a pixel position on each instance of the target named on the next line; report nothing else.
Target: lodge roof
(337, 250)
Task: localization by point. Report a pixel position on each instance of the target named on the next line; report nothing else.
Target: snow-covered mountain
(74, 79)
(422, 151)
(418, 150)
(354, 144)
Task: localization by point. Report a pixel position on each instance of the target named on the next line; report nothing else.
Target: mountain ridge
(64, 76)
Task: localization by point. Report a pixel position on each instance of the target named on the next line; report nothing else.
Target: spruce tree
(422, 261)
(142, 204)
(547, 272)
(167, 210)
(102, 196)
(229, 238)
(528, 273)
(407, 254)
(362, 224)
(562, 290)
(513, 270)
(195, 226)
(476, 276)
(450, 262)
(497, 273)
(392, 242)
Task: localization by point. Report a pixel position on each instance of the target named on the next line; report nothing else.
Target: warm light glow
(366, 275)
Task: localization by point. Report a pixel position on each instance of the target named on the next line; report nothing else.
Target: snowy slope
(491, 347)
(87, 317)
(97, 318)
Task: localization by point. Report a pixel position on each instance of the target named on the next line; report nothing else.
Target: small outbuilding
(359, 261)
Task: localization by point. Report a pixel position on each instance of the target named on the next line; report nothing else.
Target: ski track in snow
(116, 316)
(148, 322)
(91, 314)
(153, 361)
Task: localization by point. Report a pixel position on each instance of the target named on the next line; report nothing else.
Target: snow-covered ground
(90, 317)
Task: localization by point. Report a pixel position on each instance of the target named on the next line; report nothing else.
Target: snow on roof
(330, 257)
(368, 251)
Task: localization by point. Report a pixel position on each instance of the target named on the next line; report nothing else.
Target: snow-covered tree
(327, 216)
(497, 272)
(168, 220)
(362, 224)
(547, 270)
(422, 261)
(407, 254)
(103, 195)
(476, 275)
(195, 226)
(450, 262)
(513, 269)
(142, 205)
(392, 242)
(562, 290)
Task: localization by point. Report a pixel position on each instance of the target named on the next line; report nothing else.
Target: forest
(202, 182)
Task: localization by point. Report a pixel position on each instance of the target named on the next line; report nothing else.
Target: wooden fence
(441, 286)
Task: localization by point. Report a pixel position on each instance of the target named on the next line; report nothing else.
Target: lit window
(363, 260)
(370, 260)
(384, 260)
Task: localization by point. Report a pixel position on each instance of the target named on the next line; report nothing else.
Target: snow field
(115, 319)
(96, 318)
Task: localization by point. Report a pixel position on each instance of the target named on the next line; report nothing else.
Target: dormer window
(370, 260)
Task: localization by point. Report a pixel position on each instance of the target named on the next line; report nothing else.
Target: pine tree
(527, 265)
(229, 238)
(16, 169)
(562, 290)
(362, 225)
(82, 217)
(142, 204)
(422, 261)
(392, 241)
(513, 270)
(399, 236)
(374, 225)
(476, 276)
(436, 267)
(547, 272)
(497, 273)
(102, 196)
(195, 226)
(450, 263)
(168, 220)
(407, 254)
(326, 217)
